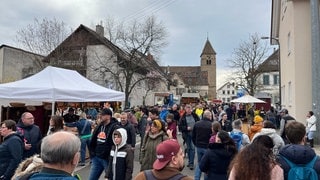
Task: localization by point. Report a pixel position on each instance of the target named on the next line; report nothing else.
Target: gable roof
(88, 36)
(93, 39)
(271, 64)
(191, 75)
(224, 85)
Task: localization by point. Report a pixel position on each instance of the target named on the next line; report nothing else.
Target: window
(228, 92)
(223, 99)
(275, 79)
(228, 100)
(228, 86)
(223, 92)
(266, 80)
(232, 92)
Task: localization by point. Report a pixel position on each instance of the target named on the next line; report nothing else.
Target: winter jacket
(28, 166)
(101, 140)
(312, 123)
(131, 133)
(83, 126)
(277, 140)
(121, 160)
(11, 151)
(163, 115)
(201, 133)
(298, 154)
(32, 135)
(216, 161)
(142, 125)
(227, 126)
(173, 127)
(163, 174)
(245, 138)
(148, 149)
(183, 126)
(254, 129)
(52, 174)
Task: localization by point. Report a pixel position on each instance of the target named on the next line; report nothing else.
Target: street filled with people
(218, 141)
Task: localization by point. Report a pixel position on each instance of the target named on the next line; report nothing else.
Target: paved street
(84, 171)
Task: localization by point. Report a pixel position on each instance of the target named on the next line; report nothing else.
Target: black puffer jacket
(298, 154)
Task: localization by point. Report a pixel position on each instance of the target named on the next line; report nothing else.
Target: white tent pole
(52, 108)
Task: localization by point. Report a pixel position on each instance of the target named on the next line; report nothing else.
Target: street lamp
(279, 64)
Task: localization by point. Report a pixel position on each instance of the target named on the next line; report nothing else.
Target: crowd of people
(229, 143)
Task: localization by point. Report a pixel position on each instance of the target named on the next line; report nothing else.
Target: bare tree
(138, 40)
(42, 37)
(245, 61)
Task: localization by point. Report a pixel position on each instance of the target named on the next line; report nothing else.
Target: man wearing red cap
(169, 163)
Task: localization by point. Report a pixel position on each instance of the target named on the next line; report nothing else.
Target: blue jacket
(298, 154)
(11, 151)
(163, 115)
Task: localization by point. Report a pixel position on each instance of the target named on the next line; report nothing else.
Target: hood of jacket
(124, 136)
(268, 131)
(298, 154)
(13, 135)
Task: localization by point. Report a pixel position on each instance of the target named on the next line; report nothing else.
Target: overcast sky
(189, 22)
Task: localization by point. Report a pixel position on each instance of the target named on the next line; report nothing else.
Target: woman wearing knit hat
(256, 127)
(154, 137)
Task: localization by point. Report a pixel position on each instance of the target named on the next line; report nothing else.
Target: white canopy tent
(54, 84)
(247, 99)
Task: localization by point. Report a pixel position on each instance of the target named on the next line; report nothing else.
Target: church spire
(208, 50)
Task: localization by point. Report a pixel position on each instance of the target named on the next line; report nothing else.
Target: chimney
(100, 30)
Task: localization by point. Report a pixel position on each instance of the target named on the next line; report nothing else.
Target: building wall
(296, 58)
(98, 58)
(272, 89)
(211, 69)
(226, 92)
(16, 64)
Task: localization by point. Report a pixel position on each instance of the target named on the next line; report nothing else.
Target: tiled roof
(191, 75)
(271, 64)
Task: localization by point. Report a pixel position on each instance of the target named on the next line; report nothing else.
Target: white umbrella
(247, 99)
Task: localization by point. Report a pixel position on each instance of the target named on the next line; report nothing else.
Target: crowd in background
(223, 137)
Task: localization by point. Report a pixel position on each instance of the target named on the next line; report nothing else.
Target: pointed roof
(190, 75)
(271, 64)
(208, 49)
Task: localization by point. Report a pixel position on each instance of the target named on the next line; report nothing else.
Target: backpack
(149, 175)
(302, 171)
(237, 138)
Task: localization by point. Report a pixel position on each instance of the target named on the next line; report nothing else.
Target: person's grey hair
(236, 124)
(59, 148)
(207, 114)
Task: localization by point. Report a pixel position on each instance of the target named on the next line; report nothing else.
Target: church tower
(208, 64)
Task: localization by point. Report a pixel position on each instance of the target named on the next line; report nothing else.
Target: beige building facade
(291, 25)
